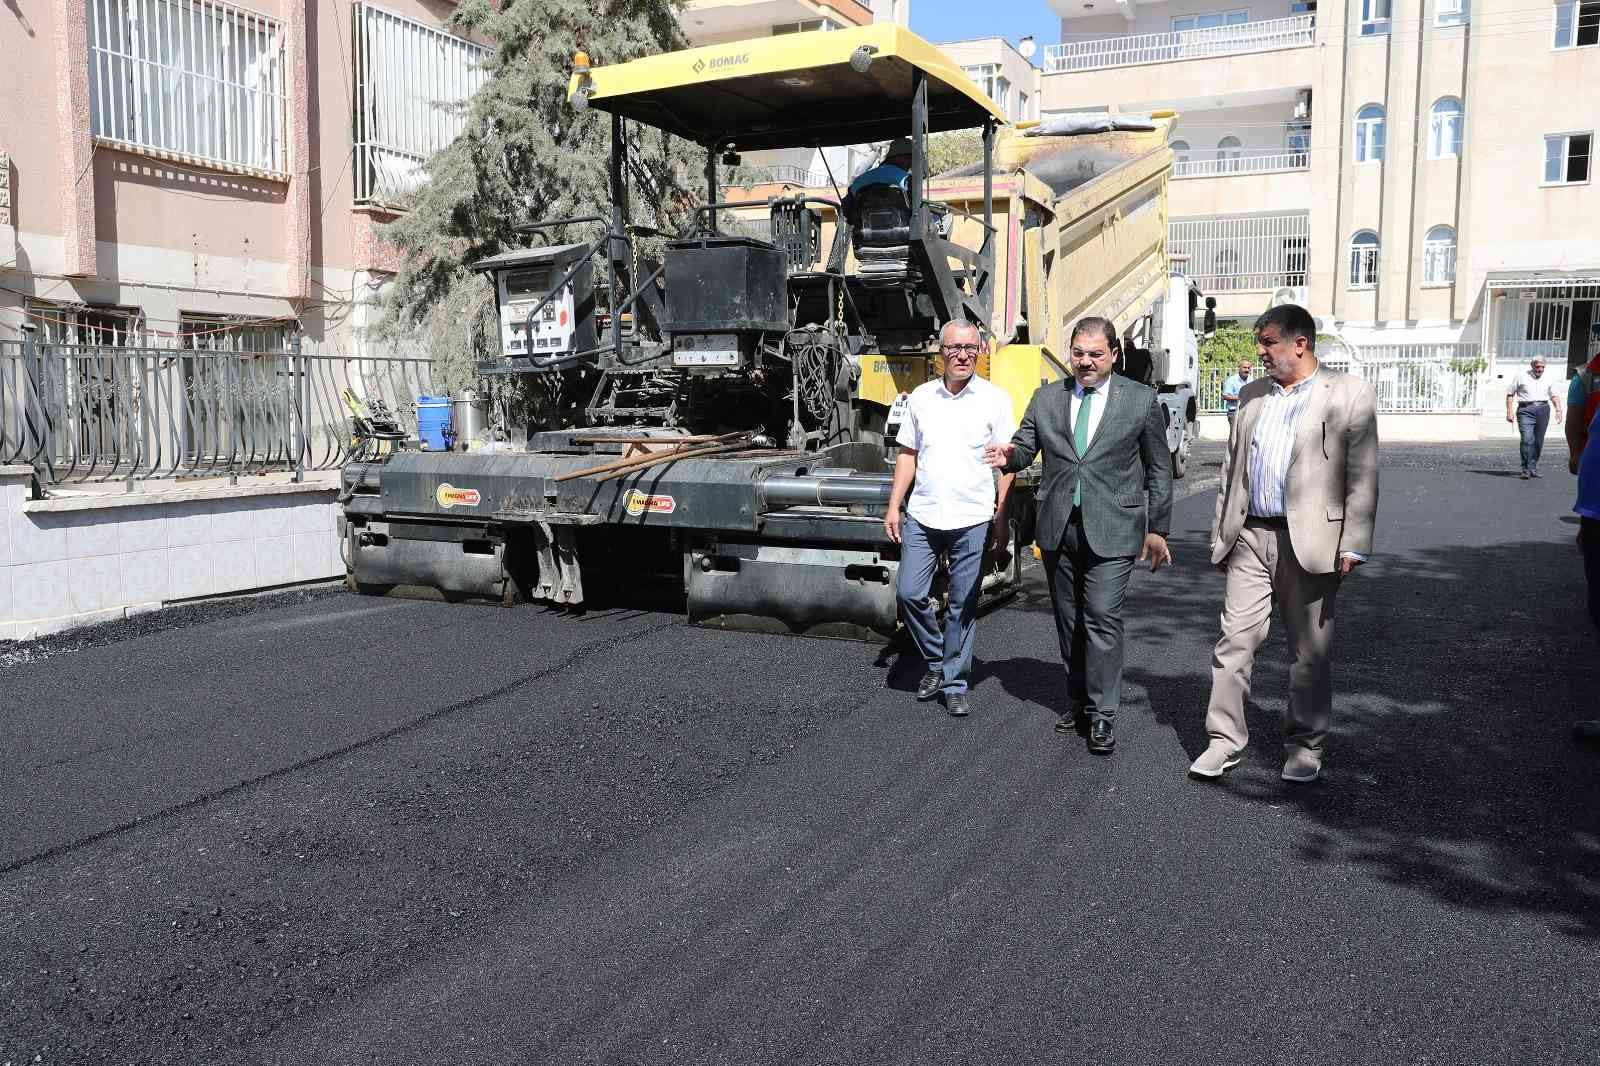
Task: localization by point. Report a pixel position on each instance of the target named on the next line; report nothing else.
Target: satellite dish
(1027, 46)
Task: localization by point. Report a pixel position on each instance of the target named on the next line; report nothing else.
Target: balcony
(718, 21)
(1216, 63)
(1238, 258)
(1298, 31)
(1255, 163)
(778, 174)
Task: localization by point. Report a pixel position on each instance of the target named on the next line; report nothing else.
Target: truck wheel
(1180, 461)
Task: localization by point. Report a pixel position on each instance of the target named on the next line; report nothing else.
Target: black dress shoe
(1076, 720)
(928, 687)
(1102, 739)
(956, 704)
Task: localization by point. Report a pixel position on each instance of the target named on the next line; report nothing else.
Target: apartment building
(190, 173)
(1418, 171)
(1003, 70)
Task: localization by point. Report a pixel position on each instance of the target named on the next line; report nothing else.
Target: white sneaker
(1214, 761)
(1302, 765)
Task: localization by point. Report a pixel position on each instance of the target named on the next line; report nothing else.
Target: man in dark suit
(1105, 500)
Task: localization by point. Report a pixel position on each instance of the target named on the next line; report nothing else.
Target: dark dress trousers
(1125, 476)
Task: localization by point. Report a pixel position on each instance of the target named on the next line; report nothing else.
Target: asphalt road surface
(315, 828)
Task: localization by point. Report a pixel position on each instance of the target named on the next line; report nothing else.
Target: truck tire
(1180, 461)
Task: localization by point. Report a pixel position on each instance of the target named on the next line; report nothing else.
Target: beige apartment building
(1419, 172)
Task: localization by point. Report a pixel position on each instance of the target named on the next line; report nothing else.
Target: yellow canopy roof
(791, 90)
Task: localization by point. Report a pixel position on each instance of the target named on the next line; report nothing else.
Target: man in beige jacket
(1294, 517)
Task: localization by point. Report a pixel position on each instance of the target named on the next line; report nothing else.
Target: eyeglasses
(968, 350)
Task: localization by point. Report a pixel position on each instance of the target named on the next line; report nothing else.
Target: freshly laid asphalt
(316, 828)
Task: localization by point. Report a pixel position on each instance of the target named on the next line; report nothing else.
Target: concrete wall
(1157, 18)
(76, 560)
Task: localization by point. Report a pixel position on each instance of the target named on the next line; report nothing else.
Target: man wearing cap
(1529, 400)
(894, 170)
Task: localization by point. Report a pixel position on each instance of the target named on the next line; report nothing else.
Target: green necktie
(1080, 441)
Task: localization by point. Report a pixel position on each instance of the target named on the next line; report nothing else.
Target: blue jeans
(1532, 421)
(947, 652)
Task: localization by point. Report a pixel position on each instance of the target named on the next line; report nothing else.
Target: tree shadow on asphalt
(1458, 674)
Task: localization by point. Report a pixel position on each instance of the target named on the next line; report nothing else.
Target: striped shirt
(1272, 445)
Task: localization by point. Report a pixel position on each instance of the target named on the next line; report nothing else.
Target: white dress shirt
(1272, 446)
(1529, 389)
(955, 488)
(1097, 406)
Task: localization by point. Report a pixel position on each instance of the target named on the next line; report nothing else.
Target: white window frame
(1565, 137)
(196, 81)
(1023, 100)
(1232, 17)
(1446, 129)
(1573, 9)
(1364, 257)
(1439, 258)
(1451, 13)
(1371, 134)
(1377, 17)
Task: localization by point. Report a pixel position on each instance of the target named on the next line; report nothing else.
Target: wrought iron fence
(79, 412)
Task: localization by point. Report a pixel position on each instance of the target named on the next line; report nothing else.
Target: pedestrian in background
(1105, 497)
(1294, 517)
(1530, 398)
(957, 508)
(1231, 387)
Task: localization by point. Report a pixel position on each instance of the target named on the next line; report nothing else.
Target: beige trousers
(1262, 570)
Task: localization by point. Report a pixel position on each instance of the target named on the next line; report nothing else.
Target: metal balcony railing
(1297, 31)
(1227, 253)
(1265, 163)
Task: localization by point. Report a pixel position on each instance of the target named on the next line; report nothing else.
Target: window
(1297, 136)
(224, 333)
(1450, 13)
(1002, 94)
(1294, 259)
(1369, 134)
(1225, 270)
(1577, 24)
(1444, 129)
(411, 80)
(73, 324)
(1022, 107)
(806, 27)
(189, 78)
(1303, 7)
(1566, 158)
(1180, 151)
(1439, 256)
(1210, 20)
(1364, 260)
(1229, 148)
(1375, 17)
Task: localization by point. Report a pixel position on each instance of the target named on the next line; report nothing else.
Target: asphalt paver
(317, 828)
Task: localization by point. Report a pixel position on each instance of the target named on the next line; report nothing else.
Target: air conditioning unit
(1288, 294)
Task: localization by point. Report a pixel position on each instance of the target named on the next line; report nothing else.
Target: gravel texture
(315, 828)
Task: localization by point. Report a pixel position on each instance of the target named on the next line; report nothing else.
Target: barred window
(1439, 256)
(192, 79)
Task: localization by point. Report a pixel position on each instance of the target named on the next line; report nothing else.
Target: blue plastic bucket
(433, 414)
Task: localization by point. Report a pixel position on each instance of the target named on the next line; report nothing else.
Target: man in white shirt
(956, 509)
(1530, 398)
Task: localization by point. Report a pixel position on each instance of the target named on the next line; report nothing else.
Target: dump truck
(720, 418)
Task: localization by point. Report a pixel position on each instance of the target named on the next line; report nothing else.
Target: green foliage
(526, 155)
(948, 151)
(1224, 348)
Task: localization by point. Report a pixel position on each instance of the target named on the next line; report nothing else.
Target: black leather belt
(1276, 522)
(1533, 403)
